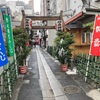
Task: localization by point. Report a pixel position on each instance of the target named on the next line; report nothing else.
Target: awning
(84, 16)
(74, 18)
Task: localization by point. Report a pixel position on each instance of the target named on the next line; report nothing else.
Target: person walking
(34, 42)
(39, 39)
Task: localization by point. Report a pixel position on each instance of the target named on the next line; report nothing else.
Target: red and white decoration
(95, 45)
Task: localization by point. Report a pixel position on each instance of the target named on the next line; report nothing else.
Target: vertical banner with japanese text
(9, 35)
(3, 55)
(95, 43)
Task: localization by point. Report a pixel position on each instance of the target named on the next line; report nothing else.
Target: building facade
(76, 13)
(83, 12)
(31, 3)
(43, 7)
(17, 7)
(52, 8)
(2, 2)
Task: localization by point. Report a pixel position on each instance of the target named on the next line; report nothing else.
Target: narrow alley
(49, 50)
(45, 81)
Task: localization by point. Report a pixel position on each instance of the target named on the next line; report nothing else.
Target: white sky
(36, 4)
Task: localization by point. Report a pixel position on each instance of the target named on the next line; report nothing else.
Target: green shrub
(63, 51)
(20, 40)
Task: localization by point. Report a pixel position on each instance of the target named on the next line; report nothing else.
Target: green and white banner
(9, 34)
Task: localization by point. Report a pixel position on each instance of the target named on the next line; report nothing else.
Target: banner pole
(87, 68)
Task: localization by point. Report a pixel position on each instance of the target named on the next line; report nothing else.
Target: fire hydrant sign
(3, 55)
(9, 35)
(95, 45)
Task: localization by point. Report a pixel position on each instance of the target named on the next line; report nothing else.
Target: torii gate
(43, 18)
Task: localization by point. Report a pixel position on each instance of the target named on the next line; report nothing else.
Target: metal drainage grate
(70, 89)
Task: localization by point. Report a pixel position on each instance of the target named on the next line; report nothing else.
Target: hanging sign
(9, 35)
(95, 43)
(3, 55)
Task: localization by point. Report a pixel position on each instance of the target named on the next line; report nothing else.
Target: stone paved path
(45, 81)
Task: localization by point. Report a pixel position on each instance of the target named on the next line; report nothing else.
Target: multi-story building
(2, 2)
(76, 13)
(31, 3)
(17, 7)
(43, 7)
(28, 9)
(52, 8)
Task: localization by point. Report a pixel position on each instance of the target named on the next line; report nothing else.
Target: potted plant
(21, 50)
(63, 52)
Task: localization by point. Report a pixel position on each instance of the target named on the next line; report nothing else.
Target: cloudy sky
(36, 4)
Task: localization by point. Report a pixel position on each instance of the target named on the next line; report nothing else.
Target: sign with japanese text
(3, 55)
(9, 35)
(95, 43)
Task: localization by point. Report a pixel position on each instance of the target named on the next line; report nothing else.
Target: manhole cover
(70, 89)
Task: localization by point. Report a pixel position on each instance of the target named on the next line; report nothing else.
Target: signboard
(95, 45)
(9, 35)
(3, 55)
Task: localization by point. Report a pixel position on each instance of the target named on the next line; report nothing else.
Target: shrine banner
(95, 43)
(9, 34)
(3, 55)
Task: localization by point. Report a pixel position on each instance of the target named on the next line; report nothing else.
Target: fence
(93, 71)
(92, 74)
(8, 79)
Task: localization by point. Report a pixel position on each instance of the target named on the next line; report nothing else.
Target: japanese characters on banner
(95, 45)
(3, 55)
(9, 35)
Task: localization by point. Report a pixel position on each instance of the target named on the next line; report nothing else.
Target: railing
(8, 79)
(93, 64)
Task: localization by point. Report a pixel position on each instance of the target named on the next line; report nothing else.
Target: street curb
(94, 94)
(19, 83)
(17, 87)
(52, 57)
(66, 73)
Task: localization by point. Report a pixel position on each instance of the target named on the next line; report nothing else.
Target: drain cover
(70, 89)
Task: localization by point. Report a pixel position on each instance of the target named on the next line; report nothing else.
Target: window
(90, 36)
(84, 37)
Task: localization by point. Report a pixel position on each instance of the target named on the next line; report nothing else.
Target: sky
(36, 4)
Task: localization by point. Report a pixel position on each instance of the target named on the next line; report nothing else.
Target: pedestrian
(34, 42)
(38, 42)
(30, 42)
(39, 37)
(27, 44)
